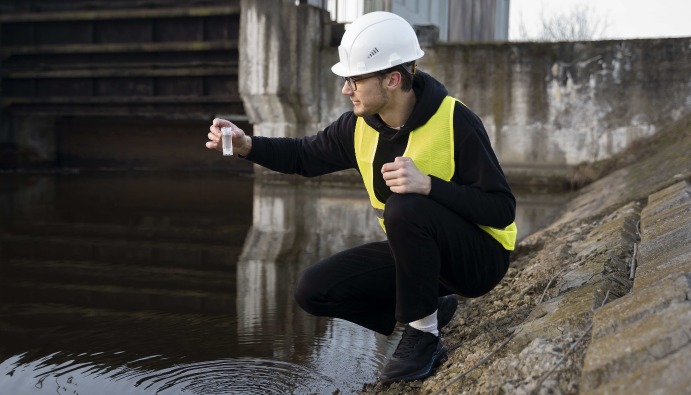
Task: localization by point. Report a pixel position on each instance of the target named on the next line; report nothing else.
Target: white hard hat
(376, 41)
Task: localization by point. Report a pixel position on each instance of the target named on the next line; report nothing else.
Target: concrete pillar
(280, 74)
(295, 224)
(280, 67)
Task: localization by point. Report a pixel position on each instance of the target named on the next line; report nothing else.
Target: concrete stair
(641, 343)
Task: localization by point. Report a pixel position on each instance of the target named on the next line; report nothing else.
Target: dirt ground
(481, 328)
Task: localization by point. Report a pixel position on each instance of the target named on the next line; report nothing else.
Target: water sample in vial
(227, 141)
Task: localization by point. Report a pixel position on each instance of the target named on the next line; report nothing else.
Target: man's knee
(307, 293)
(404, 208)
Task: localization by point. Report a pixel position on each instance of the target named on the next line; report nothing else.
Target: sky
(624, 19)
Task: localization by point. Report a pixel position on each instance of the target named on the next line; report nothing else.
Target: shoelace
(409, 340)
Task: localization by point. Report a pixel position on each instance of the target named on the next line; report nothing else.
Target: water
(152, 283)
(227, 141)
(116, 283)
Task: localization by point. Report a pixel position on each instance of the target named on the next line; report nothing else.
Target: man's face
(367, 92)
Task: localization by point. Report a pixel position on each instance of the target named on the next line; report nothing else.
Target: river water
(155, 283)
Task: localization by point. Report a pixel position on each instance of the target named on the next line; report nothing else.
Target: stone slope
(597, 302)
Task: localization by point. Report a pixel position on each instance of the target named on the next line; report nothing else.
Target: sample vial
(227, 141)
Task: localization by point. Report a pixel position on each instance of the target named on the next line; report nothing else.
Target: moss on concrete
(561, 276)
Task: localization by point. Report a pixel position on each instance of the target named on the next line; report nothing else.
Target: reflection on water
(125, 284)
(536, 208)
(166, 284)
(248, 376)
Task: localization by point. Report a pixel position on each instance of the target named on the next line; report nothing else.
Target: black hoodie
(478, 190)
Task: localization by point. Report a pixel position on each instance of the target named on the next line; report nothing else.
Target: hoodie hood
(429, 93)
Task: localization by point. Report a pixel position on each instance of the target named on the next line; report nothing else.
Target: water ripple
(337, 355)
(237, 376)
(249, 376)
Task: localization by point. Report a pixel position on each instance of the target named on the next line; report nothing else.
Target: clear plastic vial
(227, 141)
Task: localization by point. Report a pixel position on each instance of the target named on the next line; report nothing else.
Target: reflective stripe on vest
(431, 147)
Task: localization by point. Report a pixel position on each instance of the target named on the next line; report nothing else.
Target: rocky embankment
(598, 302)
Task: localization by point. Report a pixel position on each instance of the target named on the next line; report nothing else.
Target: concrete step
(665, 235)
(668, 376)
(668, 199)
(640, 340)
(602, 268)
(637, 345)
(642, 304)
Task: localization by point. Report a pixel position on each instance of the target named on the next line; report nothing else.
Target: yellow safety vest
(431, 147)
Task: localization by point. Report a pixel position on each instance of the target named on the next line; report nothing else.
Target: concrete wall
(553, 105)
(546, 106)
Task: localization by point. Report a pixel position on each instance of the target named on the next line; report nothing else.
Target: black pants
(430, 252)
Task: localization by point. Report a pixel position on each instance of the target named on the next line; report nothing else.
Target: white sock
(427, 324)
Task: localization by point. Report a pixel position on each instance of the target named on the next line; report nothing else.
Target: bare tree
(579, 23)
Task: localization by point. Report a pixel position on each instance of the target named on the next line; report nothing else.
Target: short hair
(407, 71)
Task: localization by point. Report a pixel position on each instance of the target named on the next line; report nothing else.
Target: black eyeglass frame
(352, 81)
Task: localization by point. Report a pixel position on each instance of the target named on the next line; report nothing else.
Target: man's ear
(395, 80)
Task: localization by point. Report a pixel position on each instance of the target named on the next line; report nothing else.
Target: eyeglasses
(352, 81)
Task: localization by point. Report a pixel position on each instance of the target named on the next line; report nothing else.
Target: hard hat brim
(376, 41)
(341, 70)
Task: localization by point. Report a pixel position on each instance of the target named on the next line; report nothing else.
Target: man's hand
(402, 176)
(242, 143)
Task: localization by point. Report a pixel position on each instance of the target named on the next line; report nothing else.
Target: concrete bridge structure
(69, 68)
(546, 106)
(72, 68)
(134, 83)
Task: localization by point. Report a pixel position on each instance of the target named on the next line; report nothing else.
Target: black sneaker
(416, 356)
(446, 310)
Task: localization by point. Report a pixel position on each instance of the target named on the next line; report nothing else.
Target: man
(433, 180)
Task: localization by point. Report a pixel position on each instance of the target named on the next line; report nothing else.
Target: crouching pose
(433, 180)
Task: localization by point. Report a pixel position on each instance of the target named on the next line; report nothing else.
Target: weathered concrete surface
(598, 268)
(567, 103)
(546, 106)
(652, 323)
(572, 318)
(279, 61)
(666, 235)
